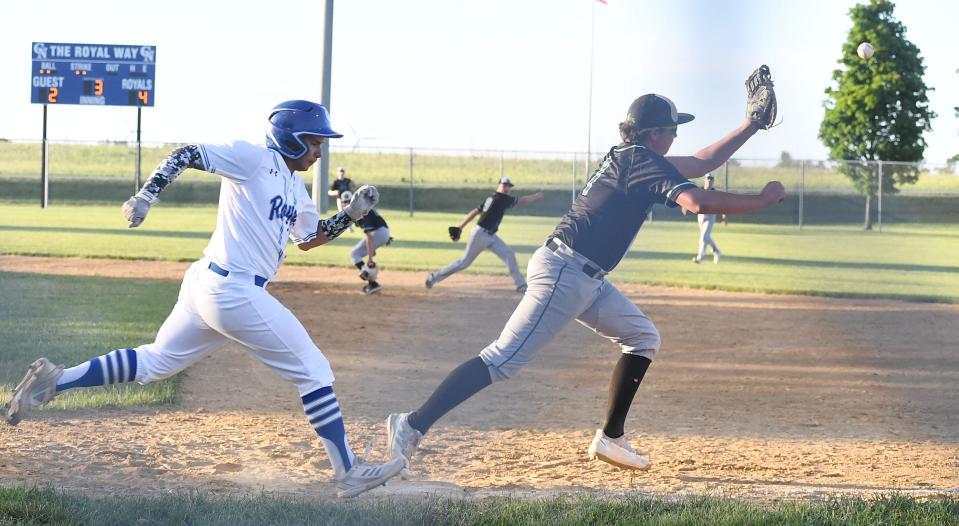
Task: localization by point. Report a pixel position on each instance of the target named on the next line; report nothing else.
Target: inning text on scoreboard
(94, 74)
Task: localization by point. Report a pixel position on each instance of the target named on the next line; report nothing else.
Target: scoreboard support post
(44, 180)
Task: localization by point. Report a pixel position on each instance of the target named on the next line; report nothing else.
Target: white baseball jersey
(262, 205)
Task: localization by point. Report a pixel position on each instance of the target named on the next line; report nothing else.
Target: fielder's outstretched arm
(714, 155)
(699, 201)
(526, 199)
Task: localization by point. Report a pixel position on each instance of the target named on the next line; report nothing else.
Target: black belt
(589, 270)
(259, 281)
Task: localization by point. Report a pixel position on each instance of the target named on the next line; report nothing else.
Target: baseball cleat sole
(609, 460)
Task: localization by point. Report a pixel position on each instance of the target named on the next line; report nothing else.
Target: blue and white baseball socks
(119, 366)
(323, 412)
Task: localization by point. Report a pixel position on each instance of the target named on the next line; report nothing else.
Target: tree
(786, 160)
(878, 109)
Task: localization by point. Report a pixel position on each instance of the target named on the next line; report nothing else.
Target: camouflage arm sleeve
(335, 225)
(169, 169)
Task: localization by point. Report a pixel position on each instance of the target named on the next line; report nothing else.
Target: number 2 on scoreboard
(52, 95)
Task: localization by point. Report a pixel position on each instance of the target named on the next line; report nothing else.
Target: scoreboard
(93, 74)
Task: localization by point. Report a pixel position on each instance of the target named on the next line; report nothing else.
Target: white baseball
(865, 50)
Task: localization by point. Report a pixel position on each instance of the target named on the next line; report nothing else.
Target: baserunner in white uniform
(566, 277)
(223, 297)
(483, 237)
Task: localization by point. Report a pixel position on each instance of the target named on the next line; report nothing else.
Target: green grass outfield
(909, 262)
(72, 319)
(37, 506)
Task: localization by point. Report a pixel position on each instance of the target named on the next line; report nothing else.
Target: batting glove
(135, 210)
(364, 199)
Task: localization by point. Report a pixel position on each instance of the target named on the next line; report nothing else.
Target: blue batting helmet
(290, 121)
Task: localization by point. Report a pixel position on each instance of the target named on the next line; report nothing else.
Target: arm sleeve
(169, 169)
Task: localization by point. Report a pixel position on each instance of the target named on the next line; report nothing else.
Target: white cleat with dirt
(364, 476)
(38, 387)
(401, 440)
(616, 451)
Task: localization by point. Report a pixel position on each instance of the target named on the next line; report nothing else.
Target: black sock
(463, 382)
(627, 375)
(359, 265)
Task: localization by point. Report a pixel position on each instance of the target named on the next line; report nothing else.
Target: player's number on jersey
(599, 173)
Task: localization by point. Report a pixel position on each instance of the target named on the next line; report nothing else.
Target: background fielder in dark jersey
(376, 233)
(483, 237)
(566, 277)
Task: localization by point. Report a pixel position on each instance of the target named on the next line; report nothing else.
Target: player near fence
(706, 223)
(483, 235)
(566, 276)
(339, 186)
(376, 234)
(223, 297)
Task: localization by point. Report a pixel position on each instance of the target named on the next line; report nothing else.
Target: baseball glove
(761, 106)
(455, 233)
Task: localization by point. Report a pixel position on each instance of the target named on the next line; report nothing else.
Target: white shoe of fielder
(616, 451)
(38, 387)
(716, 256)
(364, 476)
(401, 440)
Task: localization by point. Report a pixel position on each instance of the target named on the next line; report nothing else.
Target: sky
(496, 74)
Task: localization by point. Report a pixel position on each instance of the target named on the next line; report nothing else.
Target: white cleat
(401, 440)
(616, 451)
(364, 476)
(38, 387)
(716, 256)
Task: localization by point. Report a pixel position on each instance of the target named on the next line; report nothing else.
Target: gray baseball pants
(381, 236)
(706, 222)
(479, 241)
(560, 291)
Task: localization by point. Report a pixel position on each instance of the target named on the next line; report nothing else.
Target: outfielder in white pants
(706, 223)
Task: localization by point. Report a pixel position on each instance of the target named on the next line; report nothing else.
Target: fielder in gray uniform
(483, 237)
(376, 234)
(706, 223)
(566, 276)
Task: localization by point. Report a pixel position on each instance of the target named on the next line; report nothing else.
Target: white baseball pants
(212, 310)
(560, 291)
(479, 241)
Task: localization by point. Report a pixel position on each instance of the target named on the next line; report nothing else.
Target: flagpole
(589, 111)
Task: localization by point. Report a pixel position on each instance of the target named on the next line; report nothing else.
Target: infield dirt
(756, 396)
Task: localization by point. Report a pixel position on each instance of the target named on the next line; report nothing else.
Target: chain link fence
(435, 179)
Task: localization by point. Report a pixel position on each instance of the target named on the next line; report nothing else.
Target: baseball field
(809, 377)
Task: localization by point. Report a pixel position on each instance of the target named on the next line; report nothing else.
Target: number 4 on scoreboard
(139, 98)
